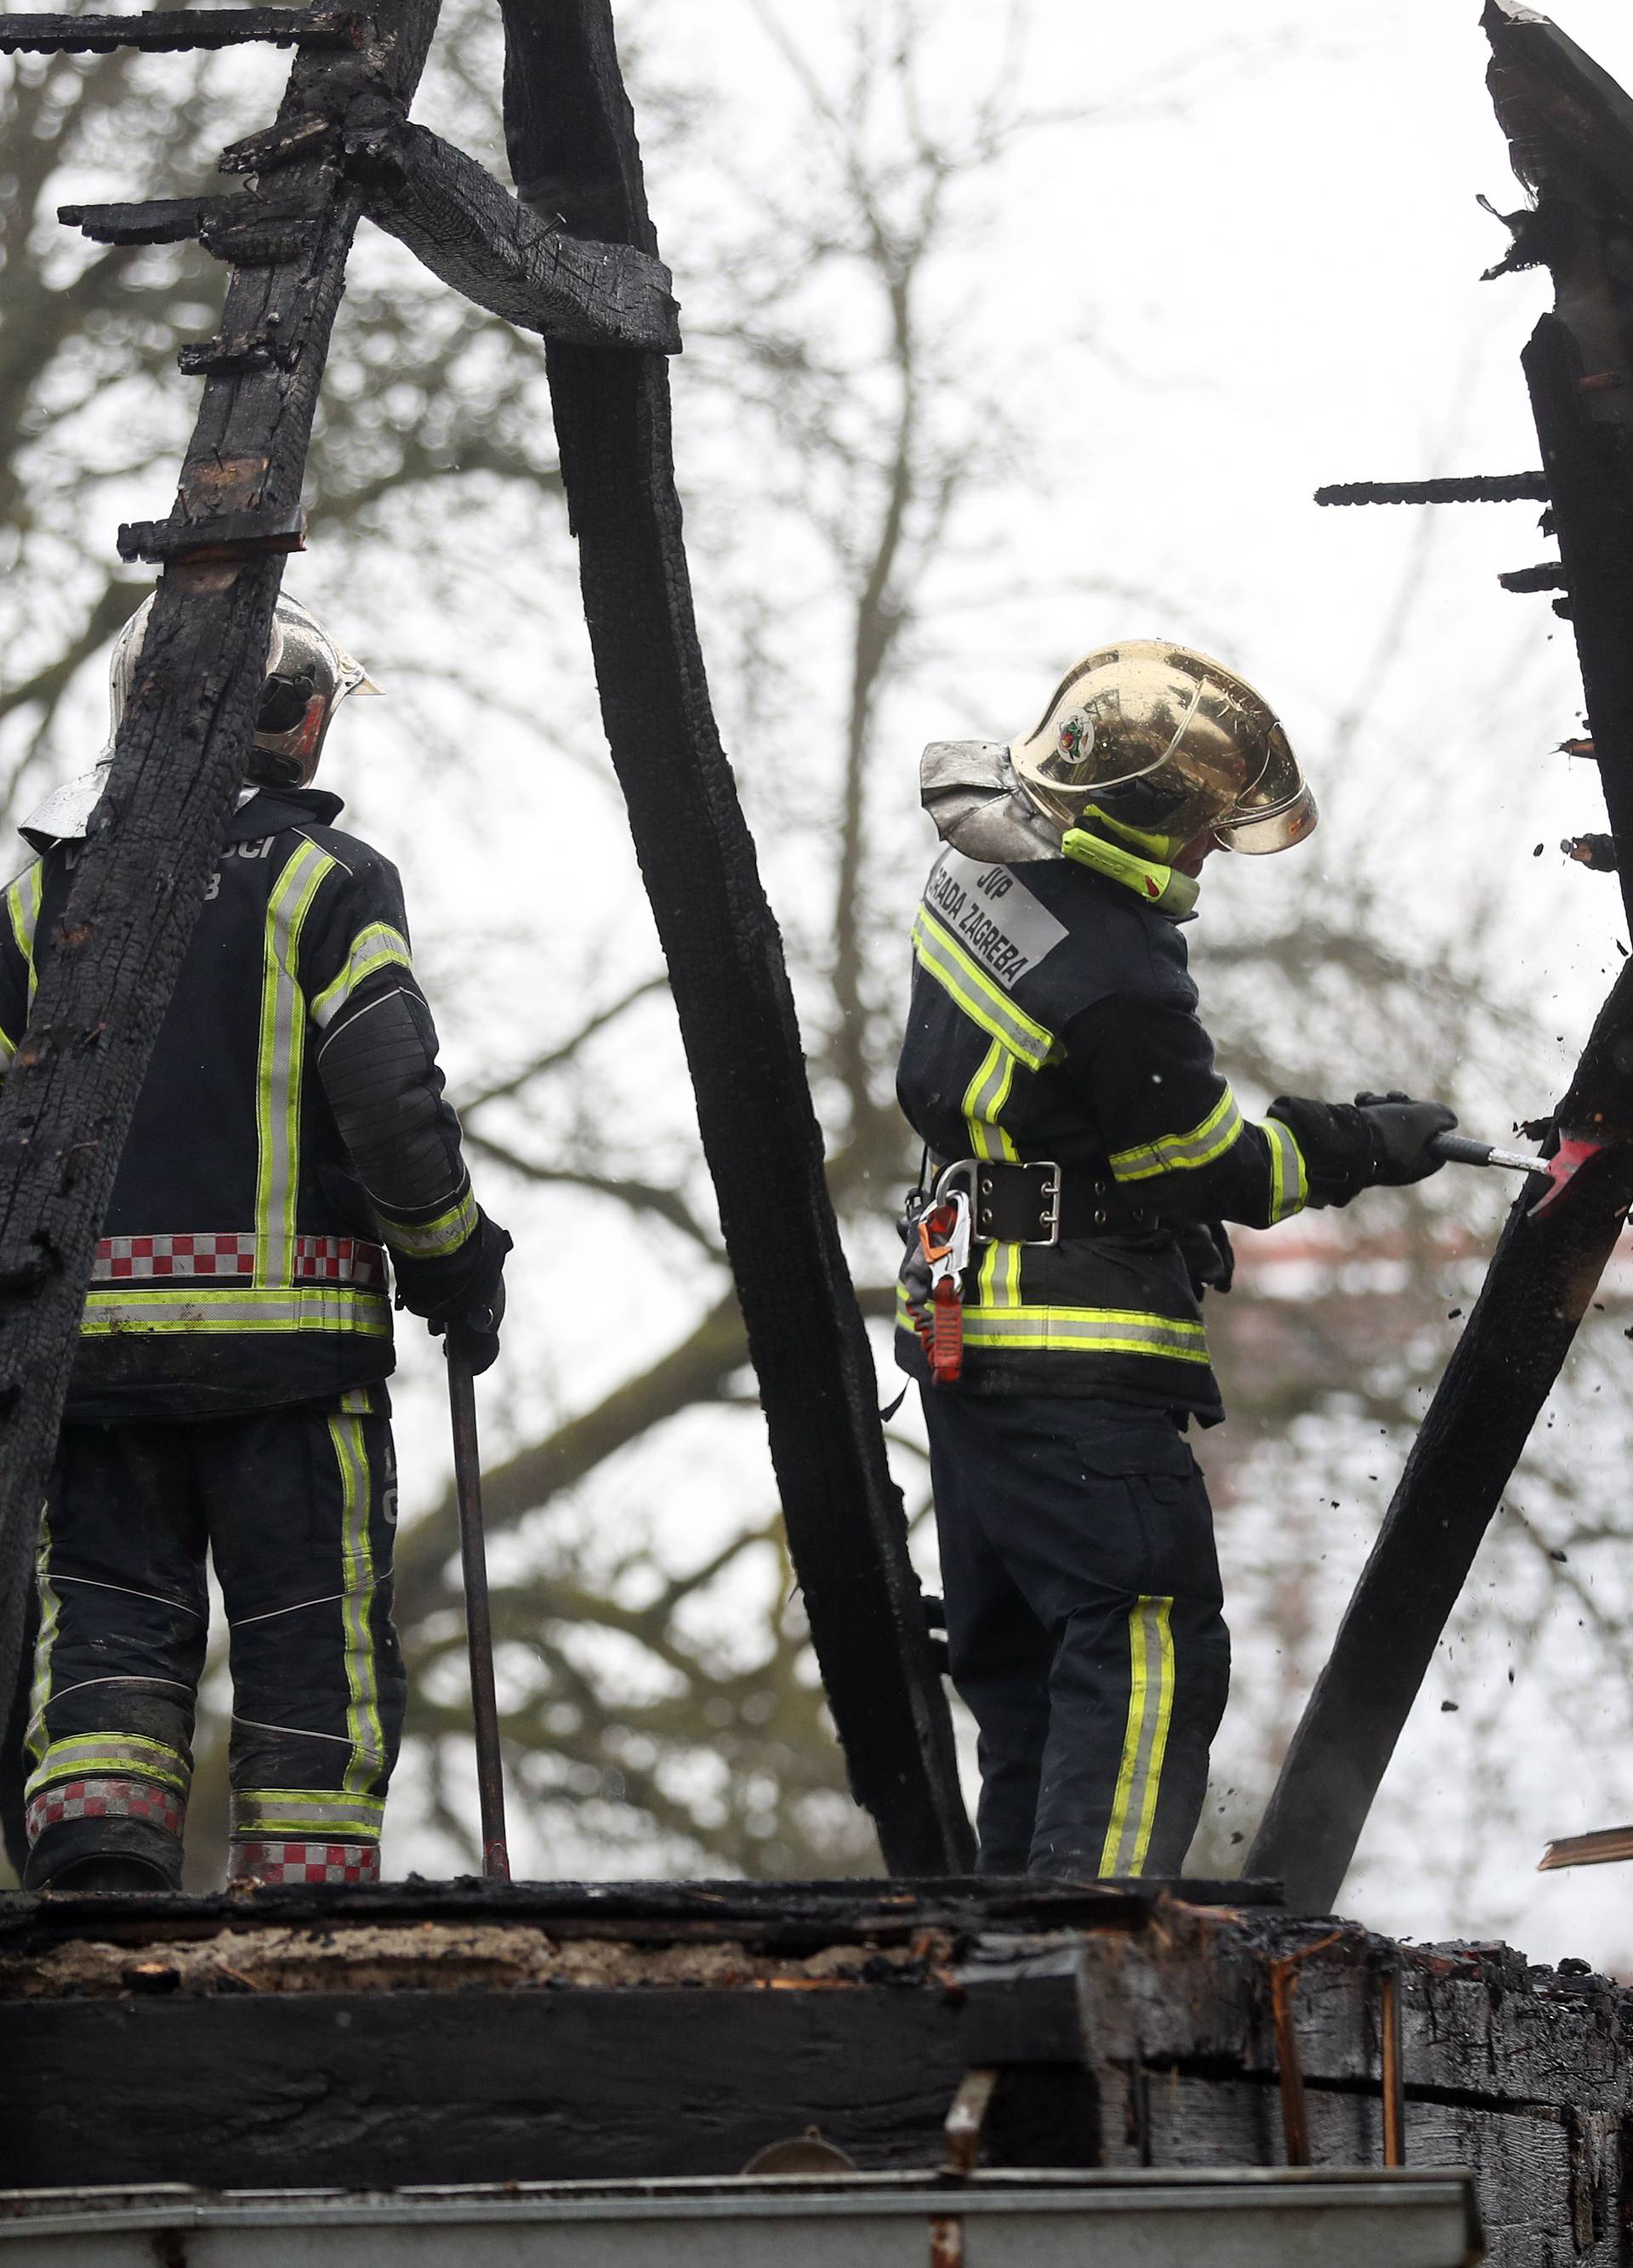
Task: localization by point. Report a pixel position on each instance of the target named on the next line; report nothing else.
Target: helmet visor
(1276, 812)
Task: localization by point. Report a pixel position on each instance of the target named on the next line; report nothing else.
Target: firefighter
(228, 1397)
(1083, 1154)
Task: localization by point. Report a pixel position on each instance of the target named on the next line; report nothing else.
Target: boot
(110, 1871)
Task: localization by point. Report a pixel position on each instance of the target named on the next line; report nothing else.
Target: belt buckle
(1049, 1213)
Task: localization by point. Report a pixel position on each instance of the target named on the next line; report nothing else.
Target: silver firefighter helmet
(1164, 744)
(307, 677)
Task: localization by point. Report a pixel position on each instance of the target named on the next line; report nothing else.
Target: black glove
(1205, 1247)
(1401, 1131)
(468, 1323)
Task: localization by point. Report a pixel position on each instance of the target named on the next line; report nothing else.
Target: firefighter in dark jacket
(228, 1397)
(1083, 1154)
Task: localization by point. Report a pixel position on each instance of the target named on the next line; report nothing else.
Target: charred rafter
(168, 31)
(1570, 130)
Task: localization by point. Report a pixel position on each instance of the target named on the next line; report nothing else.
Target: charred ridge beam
(474, 235)
(179, 759)
(167, 30)
(570, 136)
(1472, 488)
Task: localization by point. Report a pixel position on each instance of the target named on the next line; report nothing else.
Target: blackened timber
(1473, 487)
(1570, 132)
(571, 137)
(160, 220)
(168, 30)
(178, 762)
(475, 236)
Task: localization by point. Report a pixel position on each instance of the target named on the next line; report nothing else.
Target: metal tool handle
(478, 1624)
(1459, 1149)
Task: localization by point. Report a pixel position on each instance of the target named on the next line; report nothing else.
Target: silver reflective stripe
(984, 1101)
(83, 1753)
(434, 1239)
(305, 1811)
(973, 991)
(281, 1060)
(302, 1307)
(1145, 1737)
(1085, 1330)
(376, 948)
(1182, 1153)
(1290, 1185)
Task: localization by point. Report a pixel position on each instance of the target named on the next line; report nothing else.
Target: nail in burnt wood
(571, 145)
(1571, 131)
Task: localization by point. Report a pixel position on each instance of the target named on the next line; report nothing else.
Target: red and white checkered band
(257, 1861)
(105, 1798)
(230, 1258)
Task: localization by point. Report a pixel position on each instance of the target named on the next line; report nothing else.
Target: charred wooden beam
(1570, 130)
(167, 30)
(475, 236)
(178, 762)
(570, 136)
(1474, 488)
(161, 220)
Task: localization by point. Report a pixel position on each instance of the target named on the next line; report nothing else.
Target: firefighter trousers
(1085, 1627)
(297, 1508)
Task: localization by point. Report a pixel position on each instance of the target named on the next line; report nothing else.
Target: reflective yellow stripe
(1078, 1330)
(434, 1239)
(1289, 1184)
(241, 1307)
(973, 991)
(22, 901)
(363, 1727)
(50, 1614)
(376, 948)
(1000, 1278)
(109, 1753)
(1173, 1153)
(984, 1101)
(307, 1811)
(1145, 1738)
(281, 1061)
(8, 1048)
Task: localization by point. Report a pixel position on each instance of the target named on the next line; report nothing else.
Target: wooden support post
(1571, 129)
(574, 152)
(178, 762)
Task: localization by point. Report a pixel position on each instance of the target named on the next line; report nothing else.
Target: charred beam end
(1549, 576)
(166, 30)
(472, 233)
(1476, 488)
(284, 144)
(230, 535)
(162, 220)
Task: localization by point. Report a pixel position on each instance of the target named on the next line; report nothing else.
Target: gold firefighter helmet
(1165, 745)
(307, 678)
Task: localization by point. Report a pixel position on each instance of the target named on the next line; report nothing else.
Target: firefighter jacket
(292, 1123)
(1053, 1017)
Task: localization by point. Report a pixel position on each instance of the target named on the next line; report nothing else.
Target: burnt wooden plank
(574, 152)
(167, 30)
(474, 235)
(160, 220)
(1571, 131)
(178, 764)
(575, 2085)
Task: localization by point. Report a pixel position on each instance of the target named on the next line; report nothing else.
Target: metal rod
(1460, 1150)
(478, 1624)
(1393, 2084)
(1289, 2069)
